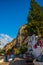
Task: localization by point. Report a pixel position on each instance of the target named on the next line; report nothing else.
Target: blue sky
(13, 14)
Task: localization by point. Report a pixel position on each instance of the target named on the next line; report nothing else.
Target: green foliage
(2, 52)
(9, 50)
(17, 51)
(35, 19)
(20, 50)
(23, 48)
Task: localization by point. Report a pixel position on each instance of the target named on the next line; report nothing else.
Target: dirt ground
(4, 63)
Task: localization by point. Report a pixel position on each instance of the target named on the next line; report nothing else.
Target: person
(40, 42)
(35, 46)
(12, 56)
(5, 58)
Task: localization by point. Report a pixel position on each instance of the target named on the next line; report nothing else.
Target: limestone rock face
(22, 35)
(20, 39)
(10, 45)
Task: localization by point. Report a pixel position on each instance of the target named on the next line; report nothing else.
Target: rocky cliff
(20, 39)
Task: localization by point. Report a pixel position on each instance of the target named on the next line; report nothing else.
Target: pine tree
(35, 19)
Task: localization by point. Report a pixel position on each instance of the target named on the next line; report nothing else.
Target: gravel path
(17, 61)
